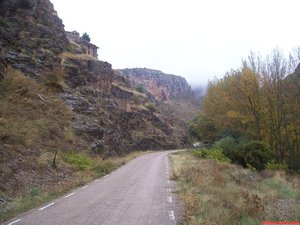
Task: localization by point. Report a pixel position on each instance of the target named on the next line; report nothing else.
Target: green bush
(213, 153)
(140, 88)
(273, 165)
(81, 161)
(257, 154)
(230, 148)
(105, 167)
(70, 48)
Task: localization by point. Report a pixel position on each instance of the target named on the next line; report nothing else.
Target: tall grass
(221, 193)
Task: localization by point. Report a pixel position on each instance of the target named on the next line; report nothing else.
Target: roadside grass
(85, 168)
(21, 204)
(222, 193)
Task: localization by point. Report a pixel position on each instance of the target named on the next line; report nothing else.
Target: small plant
(253, 203)
(79, 160)
(70, 48)
(213, 153)
(105, 167)
(34, 191)
(280, 186)
(273, 165)
(151, 107)
(3, 22)
(140, 88)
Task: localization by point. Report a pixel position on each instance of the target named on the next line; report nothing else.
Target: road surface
(139, 193)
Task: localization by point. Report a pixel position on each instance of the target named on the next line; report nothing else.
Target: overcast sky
(197, 39)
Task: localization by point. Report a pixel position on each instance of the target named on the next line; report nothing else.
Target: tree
(86, 37)
(258, 101)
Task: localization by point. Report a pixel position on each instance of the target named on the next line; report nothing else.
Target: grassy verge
(221, 193)
(85, 170)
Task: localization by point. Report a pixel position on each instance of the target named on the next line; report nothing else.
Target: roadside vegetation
(85, 169)
(217, 192)
(253, 111)
(250, 171)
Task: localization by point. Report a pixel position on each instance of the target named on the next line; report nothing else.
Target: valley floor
(222, 193)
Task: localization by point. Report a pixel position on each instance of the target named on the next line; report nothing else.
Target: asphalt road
(139, 193)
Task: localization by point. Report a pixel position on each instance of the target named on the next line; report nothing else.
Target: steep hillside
(55, 100)
(31, 35)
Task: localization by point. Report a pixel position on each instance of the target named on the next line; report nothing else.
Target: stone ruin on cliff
(89, 48)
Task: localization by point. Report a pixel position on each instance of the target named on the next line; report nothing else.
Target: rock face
(83, 72)
(53, 99)
(31, 35)
(164, 87)
(114, 123)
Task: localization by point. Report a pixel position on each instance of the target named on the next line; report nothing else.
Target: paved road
(139, 193)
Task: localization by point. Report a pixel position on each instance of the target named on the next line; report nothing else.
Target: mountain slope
(54, 100)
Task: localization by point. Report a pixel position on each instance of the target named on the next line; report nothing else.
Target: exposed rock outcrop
(163, 87)
(31, 35)
(84, 72)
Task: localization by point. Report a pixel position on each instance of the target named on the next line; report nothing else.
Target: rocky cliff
(31, 35)
(171, 94)
(56, 100)
(164, 87)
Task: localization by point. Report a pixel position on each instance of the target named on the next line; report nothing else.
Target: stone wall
(89, 49)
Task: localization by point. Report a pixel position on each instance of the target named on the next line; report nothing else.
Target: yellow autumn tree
(258, 101)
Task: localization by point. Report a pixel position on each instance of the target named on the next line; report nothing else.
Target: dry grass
(221, 193)
(69, 55)
(136, 93)
(30, 112)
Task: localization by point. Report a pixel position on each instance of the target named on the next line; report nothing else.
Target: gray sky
(197, 39)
